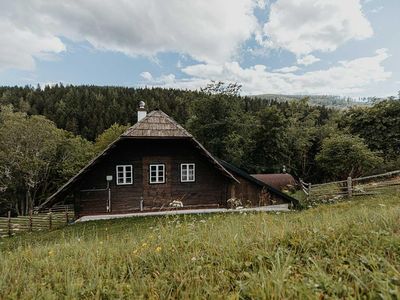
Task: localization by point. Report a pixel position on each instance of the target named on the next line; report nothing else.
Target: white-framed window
(124, 174)
(157, 173)
(188, 172)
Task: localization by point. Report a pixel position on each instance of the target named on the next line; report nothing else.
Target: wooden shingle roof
(157, 124)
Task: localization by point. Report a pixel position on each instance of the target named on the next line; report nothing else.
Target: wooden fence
(368, 185)
(45, 220)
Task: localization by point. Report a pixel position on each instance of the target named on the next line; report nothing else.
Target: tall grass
(346, 250)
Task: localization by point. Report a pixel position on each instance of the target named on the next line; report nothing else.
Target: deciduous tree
(344, 155)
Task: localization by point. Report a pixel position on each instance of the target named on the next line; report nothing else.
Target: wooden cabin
(156, 163)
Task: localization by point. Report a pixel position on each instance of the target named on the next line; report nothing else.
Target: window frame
(187, 165)
(157, 165)
(124, 175)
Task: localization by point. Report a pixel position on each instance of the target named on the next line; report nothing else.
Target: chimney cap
(142, 104)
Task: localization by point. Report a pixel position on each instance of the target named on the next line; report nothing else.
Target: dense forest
(48, 134)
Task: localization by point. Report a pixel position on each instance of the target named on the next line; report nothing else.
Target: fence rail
(45, 220)
(352, 186)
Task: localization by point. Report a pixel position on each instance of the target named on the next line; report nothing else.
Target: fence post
(30, 220)
(66, 216)
(9, 223)
(309, 190)
(50, 219)
(349, 187)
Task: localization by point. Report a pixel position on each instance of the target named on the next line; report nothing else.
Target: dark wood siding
(209, 189)
(252, 194)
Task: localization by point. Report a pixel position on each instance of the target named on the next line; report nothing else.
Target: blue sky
(341, 47)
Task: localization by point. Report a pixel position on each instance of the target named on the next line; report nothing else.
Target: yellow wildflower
(158, 249)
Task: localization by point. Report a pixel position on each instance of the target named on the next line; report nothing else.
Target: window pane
(124, 174)
(157, 173)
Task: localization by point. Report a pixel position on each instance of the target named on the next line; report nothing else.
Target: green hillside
(345, 250)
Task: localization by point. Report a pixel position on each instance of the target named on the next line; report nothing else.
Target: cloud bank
(304, 26)
(346, 78)
(209, 31)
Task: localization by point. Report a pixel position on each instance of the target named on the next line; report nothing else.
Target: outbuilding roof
(278, 181)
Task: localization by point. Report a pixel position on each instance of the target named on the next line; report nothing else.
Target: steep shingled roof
(157, 124)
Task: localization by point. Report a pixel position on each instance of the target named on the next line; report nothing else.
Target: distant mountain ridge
(326, 100)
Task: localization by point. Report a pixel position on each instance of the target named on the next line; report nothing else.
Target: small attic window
(124, 174)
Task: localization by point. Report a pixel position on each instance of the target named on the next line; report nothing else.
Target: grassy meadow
(345, 250)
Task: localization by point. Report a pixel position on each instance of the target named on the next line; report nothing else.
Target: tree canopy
(35, 157)
(108, 136)
(344, 155)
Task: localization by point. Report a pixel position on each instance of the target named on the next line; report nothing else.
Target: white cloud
(19, 46)
(304, 26)
(146, 76)
(307, 60)
(346, 78)
(209, 31)
(287, 69)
